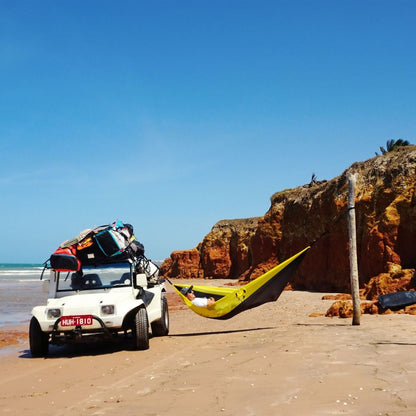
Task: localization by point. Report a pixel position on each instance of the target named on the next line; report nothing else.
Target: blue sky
(173, 115)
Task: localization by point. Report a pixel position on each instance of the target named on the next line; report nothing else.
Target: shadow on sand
(119, 344)
(230, 331)
(84, 349)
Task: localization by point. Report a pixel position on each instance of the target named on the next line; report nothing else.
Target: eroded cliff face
(316, 214)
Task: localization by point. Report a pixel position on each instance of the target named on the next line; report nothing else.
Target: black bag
(136, 249)
(397, 300)
(91, 255)
(111, 242)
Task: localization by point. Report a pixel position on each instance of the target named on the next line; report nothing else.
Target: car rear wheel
(38, 340)
(161, 326)
(141, 329)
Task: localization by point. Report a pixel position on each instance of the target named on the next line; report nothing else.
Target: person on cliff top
(197, 301)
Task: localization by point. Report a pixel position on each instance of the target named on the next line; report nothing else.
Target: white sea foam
(21, 273)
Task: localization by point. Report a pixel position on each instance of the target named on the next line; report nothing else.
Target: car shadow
(84, 349)
(121, 343)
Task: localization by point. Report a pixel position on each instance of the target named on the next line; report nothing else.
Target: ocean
(20, 291)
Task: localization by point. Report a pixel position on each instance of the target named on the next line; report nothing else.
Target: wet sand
(272, 360)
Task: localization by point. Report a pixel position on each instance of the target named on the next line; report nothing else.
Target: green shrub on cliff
(393, 145)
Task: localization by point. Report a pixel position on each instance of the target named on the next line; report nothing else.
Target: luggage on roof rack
(99, 245)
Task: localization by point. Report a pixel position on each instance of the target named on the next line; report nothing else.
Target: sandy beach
(272, 360)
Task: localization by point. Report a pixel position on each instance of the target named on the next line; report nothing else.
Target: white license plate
(76, 320)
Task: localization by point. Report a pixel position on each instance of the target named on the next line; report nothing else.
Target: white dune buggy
(100, 302)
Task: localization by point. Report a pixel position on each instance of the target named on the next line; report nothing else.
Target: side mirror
(140, 280)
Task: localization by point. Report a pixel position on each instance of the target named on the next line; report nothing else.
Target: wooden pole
(355, 286)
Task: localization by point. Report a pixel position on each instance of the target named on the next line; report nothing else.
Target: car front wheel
(38, 340)
(141, 329)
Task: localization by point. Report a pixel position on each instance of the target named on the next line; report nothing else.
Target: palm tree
(393, 145)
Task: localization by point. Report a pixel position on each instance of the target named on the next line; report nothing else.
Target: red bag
(65, 260)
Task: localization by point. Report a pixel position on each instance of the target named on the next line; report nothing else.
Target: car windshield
(99, 277)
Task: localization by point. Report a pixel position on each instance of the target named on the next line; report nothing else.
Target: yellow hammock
(231, 301)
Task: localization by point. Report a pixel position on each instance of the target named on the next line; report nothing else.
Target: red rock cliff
(386, 230)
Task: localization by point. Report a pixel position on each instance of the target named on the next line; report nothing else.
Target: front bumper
(76, 334)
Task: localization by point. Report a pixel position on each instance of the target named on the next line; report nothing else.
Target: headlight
(53, 313)
(107, 310)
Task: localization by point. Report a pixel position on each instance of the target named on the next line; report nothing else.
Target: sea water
(20, 291)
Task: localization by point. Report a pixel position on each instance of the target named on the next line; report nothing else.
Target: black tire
(141, 330)
(160, 327)
(38, 340)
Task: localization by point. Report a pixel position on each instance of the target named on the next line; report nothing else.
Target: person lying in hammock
(197, 301)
